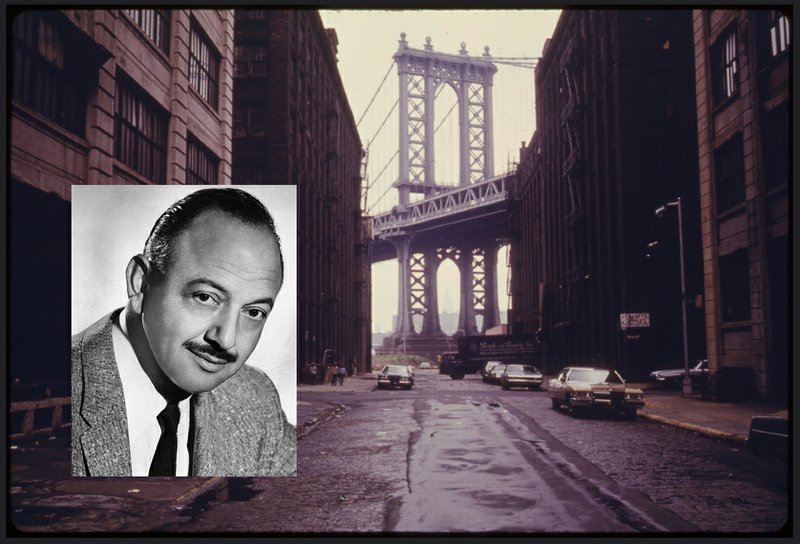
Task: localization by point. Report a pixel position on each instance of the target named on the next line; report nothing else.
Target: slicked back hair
(238, 204)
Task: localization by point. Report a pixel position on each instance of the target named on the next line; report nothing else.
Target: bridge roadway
(450, 216)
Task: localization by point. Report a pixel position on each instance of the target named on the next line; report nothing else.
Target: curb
(697, 428)
(308, 426)
(212, 485)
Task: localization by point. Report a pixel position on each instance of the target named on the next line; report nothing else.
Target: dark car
(673, 377)
(580, 388)
(396, 376)
(521, 376)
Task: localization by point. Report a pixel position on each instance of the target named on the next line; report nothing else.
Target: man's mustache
(205, 349)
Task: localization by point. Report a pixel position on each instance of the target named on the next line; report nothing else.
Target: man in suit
(159, 387)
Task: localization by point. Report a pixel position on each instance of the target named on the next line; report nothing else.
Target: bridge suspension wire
(396, 153)
(375, 179)
(391, 186)
(391, 111)
(376, 93)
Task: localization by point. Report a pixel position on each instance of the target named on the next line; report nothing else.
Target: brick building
(292, 124)
(615, 139)
(117, 96)
(743, 91)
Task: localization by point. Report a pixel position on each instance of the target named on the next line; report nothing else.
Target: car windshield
(521, 369)
(396, 370)
(590, 375)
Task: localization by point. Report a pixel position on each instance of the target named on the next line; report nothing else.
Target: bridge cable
(377, 177)
(391, 186)
(369, 142)
(376, 93)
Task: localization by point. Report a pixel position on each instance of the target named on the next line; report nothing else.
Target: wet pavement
(42, 493)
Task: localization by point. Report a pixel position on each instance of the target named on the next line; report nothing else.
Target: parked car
(424, 365)
(487, 368)
(673, 377)
(582, 388)
(396, 376)
(496, 373)
(521, 376)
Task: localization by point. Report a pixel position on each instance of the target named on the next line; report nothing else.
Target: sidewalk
(724, 420)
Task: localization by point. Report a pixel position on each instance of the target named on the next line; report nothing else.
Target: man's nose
(222, 331)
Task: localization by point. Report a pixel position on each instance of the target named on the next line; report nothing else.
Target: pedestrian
(342, 373)
(328, 373)
(312, 372)
(334, 373)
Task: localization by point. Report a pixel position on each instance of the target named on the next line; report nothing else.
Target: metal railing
(36, 419)
(449, 202)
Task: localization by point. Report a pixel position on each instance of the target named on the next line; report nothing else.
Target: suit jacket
(238, 428)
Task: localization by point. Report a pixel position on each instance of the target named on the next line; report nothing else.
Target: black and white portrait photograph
(184, 315)
(401, 271)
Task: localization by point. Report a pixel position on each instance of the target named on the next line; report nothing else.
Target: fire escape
(572, 173)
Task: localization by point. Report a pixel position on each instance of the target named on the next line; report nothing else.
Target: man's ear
(136, 280)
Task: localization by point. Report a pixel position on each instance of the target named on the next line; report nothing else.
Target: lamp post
(687, 382)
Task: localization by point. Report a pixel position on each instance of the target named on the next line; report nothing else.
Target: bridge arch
(420, 72)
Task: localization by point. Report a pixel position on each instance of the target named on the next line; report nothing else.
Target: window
(201, 164)
(775, 142)
(140, 131)
(778, 33)
(734, 281)
(725, 66)
(46, 76)
(729, 173)
(203, 65)
(250, 61)
(154, 23)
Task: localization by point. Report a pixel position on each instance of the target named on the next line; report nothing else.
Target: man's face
(204, 317)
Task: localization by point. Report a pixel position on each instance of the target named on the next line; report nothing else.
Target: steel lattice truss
(476, 131)
(446, 203)
(479, 280)
(416, 129)
(419, 303)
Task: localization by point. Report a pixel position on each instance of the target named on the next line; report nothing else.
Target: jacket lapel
(105, 443)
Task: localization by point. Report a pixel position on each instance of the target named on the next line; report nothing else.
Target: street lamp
(687, 382)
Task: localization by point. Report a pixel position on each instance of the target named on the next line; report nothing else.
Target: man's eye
(255, 313)
(204, 298)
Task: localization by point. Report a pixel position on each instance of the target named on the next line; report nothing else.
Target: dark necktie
(167, 449)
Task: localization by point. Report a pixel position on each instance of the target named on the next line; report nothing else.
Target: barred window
(779, 33)
(725, 66)
(734, 281)
(201, 164)
(154, 23)
(44, 77)
(203, 65)
(729, 173)
(140, 131)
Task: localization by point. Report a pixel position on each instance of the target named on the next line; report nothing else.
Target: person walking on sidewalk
(312, 372)
(342, 372)
(334, 373)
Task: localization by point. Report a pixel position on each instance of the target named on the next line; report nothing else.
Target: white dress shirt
(143, 403)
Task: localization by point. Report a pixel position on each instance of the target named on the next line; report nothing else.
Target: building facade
(118, 96)
(743, 91)
(292, 124)
(595, 273)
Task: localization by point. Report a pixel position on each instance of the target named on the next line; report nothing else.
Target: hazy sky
(367, 41)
